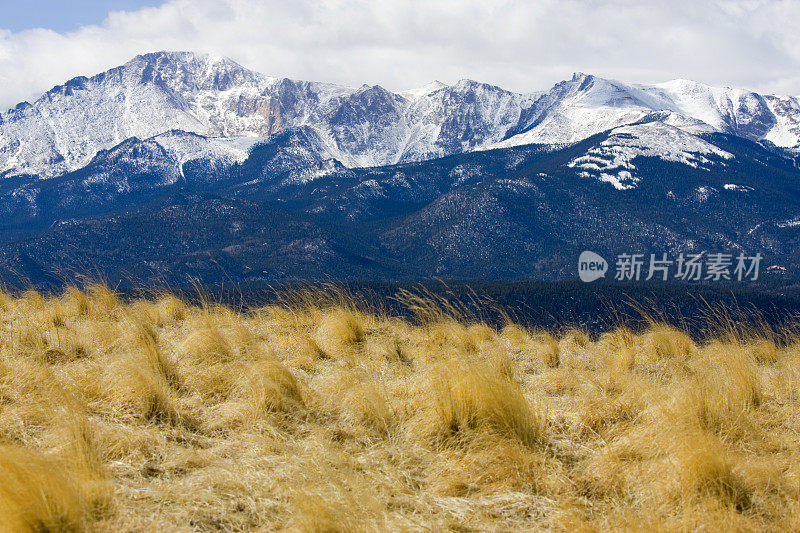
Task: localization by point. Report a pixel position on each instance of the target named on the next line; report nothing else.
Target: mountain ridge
(366, 126)
(515, 213)
(178, 164)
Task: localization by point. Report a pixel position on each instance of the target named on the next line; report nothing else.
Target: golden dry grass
(157, 415)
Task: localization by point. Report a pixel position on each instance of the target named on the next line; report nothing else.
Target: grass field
(318, 415)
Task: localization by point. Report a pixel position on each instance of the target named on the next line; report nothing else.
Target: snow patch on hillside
(612, 160)
(187, 147)
(737, 188)
(791, 223)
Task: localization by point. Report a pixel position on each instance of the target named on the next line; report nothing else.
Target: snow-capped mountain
(181, 164)
(215, 97)
(612, 160)
(586, 105)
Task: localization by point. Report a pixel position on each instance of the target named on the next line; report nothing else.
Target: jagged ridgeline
(179, 164)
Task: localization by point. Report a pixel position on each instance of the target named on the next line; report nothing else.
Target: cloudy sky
(520, 45)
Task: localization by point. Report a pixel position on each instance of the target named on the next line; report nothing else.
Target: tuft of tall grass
(207, 344)
(469, 396)
(340, 329)
(76, 302)
(665, 342)
(37, 493)
(268, 386)
(168, 310)
(103, 301)
(135, 387)
(354, 398)
(548, 349)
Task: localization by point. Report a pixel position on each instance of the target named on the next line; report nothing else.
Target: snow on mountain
(148, 96)
(215, 98)
(425, 90)
(297, 149)
(161, 160)
(185, 146)
(585, 105)
(737, 111)
(576, 109)
(786, 132)
(737, 187)
(612, 160)
(458, 118)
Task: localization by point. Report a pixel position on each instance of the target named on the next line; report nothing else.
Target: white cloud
(520, 45)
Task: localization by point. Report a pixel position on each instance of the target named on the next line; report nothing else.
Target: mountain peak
(580, 76)
(181, 56)
(424, 90)
(190, 71)
(467, 83)
(685, 84)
